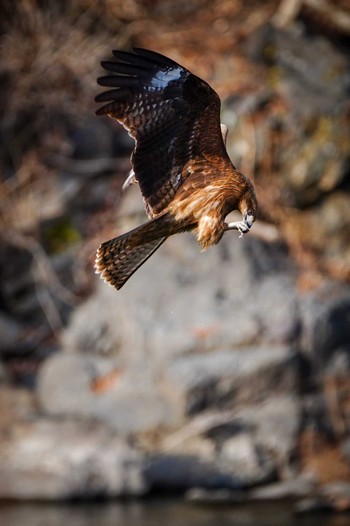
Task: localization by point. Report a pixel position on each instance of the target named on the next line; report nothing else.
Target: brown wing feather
(173, 116)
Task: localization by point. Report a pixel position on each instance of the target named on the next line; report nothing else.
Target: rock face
(316, 159)
(232, 295)
(199, 328)
(223, 379)
(73, 385)
(190, 335)
(61, 460)
(326, 322)
(206, 352)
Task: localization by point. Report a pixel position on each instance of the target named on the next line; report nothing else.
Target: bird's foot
(242, 226)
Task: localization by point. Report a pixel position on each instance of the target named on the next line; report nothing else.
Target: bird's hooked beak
(248, 219)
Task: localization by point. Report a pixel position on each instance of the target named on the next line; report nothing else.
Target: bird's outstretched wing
(173, 116)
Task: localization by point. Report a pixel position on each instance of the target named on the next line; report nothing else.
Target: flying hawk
(179, 161)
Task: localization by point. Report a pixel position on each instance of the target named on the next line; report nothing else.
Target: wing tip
(141, 56)
(106, 109)
(113, 97)
(156, 57)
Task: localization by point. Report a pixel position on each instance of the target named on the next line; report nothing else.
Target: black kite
(180, 161)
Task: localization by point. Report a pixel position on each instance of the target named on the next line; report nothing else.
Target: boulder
(313, 159)
(275, 425)
(58, 460)
(187, 332)
(93, 387)
(224, 379)
(325, 318)
(249, 463)
(182, 301)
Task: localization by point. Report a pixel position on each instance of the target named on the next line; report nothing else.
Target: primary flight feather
(180, 161)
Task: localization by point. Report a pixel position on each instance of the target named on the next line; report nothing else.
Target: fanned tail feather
(118, 258)
(116, 262)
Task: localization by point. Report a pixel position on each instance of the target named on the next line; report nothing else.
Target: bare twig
(197, 426)
(44, 273)
(48, 306)
(336, 18)
(287, 12)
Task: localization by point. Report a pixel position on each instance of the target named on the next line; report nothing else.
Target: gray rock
(238, 465)
(16, 405)
(183, 301)
(337, 489)
(258, 441)
(130, 402)
(325, 315)
(183, 331)
(226, 378)
(315, 130)
(93, 327)
(275, 424)
(312, 85)
(301, 486)
(61, 460)
(309, 83)
(241, 456)
(278, 307)
(10, 332)
(253, 443)
(325, 228)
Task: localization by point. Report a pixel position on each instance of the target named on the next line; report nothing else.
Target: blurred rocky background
(225, 374)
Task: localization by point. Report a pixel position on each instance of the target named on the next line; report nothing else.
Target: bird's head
(248, 206)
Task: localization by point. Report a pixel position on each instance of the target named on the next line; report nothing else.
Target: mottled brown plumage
(180, 161)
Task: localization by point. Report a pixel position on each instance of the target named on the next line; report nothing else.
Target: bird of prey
(186, 178)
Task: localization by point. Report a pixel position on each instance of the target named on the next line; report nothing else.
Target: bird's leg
(224, 132)
(242, 226)
(131, 179)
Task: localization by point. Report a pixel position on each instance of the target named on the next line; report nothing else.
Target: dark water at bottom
(159, 512)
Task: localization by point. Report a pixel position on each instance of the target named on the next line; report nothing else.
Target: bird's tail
(118, 258)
